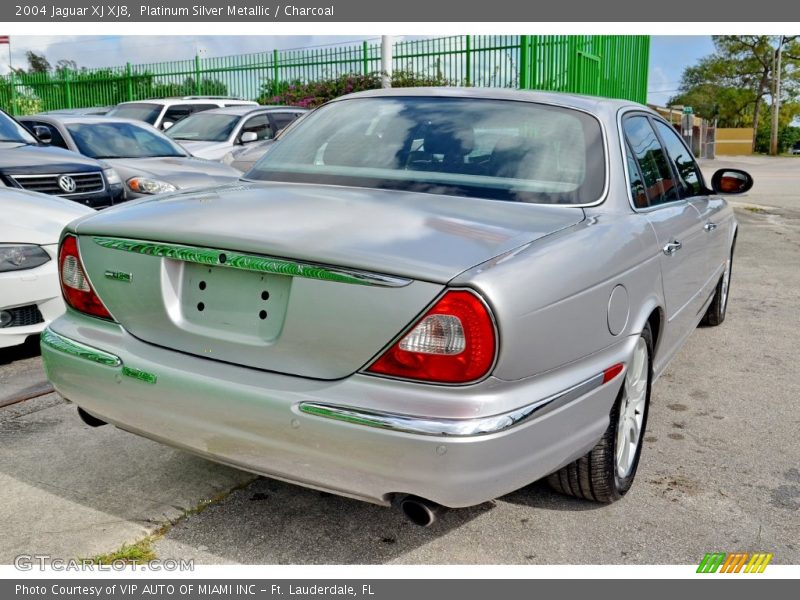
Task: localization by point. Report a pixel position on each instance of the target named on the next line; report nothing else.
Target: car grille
(23, 316)
(85, 183)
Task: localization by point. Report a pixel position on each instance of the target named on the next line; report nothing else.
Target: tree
(37, 63)
(732, 84)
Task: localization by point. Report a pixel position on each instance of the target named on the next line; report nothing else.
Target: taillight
(75, 286)
(454, 342)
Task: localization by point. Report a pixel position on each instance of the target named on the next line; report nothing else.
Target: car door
(717, 221)
(677, 226)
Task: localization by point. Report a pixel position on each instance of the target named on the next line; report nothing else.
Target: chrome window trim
(451, 427)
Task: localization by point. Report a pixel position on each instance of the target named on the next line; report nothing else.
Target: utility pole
(776, 100)
(386, 61)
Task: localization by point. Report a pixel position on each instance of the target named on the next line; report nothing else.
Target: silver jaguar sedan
(422, 297)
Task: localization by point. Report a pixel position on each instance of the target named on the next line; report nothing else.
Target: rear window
(205, 127)
(140, 112)
(496, 149)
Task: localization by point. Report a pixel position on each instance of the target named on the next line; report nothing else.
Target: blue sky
(669, 55)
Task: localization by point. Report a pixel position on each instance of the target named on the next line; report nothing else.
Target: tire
(715, 313)
(607, 472)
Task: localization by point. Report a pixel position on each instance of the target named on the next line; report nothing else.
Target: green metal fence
(604, 65)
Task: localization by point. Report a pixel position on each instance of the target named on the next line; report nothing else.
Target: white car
(163, 113)
(30, 295)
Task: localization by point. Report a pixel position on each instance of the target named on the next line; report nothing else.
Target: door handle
(710, 226)
(672, 248)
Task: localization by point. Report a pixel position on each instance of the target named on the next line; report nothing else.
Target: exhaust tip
(419, 511)
(89, 419)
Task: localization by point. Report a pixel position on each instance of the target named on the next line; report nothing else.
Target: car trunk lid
(300, 279)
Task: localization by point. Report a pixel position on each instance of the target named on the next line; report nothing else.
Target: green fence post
(129, 78)
(365, 54)
(198, 89)
(67, 87)
(13, 94)
(524, 67)
(275, 72)
(469, 61)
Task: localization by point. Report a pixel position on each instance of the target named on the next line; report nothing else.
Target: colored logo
(736, 562)
(67, 183)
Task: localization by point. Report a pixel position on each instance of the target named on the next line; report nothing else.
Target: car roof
(246, 110)
(89, 119)
(587, 103)
(171, 101)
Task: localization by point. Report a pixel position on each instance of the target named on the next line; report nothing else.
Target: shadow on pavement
(29, 349)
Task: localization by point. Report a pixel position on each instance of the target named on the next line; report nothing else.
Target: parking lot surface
(720, 469)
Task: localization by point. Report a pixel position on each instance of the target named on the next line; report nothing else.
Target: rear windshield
(497, 149)
(140, 112)
(204, 127)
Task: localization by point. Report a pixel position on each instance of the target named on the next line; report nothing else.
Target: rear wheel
(606, 473)
(715, 314)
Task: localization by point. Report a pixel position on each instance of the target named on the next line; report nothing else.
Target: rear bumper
(253, 419)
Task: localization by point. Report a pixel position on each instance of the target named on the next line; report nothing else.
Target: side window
(281, 120)
(689, 177)
(652, 161)
(202, 107)
(57, 139)
(175, 113)
(259, 125)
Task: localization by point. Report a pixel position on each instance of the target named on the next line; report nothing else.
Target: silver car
(212, 134)
(423, 297)
(146, 160)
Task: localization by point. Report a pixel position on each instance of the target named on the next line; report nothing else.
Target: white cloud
(107, 51)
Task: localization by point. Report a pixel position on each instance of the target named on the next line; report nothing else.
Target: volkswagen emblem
(67, 183)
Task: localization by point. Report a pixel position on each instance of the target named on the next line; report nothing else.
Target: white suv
(163, 113)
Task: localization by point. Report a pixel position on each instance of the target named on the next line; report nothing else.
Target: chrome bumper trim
(58, 342)
(251, 262)
(450, 427)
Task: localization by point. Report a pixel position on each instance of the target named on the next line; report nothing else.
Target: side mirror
(731, 181)
(43, 133)
(167, 124)
(248, 136)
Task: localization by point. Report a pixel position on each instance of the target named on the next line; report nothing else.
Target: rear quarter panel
(551, 299)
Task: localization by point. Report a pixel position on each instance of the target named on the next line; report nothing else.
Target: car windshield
(121, 140)
(483, 148)
(204, 127)
(11, 131)
(138, 112)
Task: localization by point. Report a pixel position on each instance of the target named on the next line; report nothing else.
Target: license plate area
(233, 304)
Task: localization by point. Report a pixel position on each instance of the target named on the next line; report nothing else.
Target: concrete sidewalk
(70, 491)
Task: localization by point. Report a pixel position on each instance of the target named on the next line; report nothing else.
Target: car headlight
(112, 177)
(19, 257)
(144, 185)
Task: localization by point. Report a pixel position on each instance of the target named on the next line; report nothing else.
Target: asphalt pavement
(720, 469)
